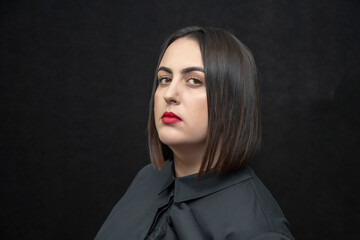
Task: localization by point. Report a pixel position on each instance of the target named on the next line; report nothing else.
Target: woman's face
(180, 104)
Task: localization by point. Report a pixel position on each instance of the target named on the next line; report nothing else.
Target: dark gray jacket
(158, 205)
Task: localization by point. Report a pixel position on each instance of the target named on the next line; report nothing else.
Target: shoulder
(272, 212)
(150, 172)
(132, 210)
(244, 209)
(269, 212)
(272, 236)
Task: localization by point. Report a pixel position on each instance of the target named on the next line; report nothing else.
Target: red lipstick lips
(170, 118)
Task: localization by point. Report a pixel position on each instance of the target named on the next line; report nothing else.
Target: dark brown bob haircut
(232, 99)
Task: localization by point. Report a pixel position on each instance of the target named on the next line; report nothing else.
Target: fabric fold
(184, 222)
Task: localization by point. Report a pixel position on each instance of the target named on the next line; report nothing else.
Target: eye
(164, 80)
(194, 81)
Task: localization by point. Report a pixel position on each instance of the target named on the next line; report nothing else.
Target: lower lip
(170, 120)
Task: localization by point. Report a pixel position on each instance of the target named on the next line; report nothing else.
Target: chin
(171, 141)
(180, 142)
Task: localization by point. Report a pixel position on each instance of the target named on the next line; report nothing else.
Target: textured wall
(75, 83)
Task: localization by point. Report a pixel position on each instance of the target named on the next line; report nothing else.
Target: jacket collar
(189, 187)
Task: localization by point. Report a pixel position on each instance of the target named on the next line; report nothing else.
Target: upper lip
(170, 114)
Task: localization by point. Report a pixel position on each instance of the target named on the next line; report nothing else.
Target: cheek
(156, 104)
(201, 111)
(200, 124)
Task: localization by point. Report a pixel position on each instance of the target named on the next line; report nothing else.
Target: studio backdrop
(76, 79)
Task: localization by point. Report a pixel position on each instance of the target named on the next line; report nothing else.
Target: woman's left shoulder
(272, 236)
(245, 208)
(265, 199)
(253, 193)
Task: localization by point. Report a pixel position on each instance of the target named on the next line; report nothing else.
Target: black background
(75, 83)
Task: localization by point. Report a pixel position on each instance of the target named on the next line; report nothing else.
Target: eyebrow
(184, 71)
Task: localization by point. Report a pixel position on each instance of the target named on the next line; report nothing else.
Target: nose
(171, 95)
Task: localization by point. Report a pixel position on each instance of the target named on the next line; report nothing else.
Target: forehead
(183, 52)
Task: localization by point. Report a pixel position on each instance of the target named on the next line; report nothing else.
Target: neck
(187, 160)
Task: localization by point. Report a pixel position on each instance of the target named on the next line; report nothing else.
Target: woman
(204, 120)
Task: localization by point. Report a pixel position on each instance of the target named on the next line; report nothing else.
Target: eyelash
(191, 78)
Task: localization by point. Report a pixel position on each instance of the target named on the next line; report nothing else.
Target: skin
(182, 90)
